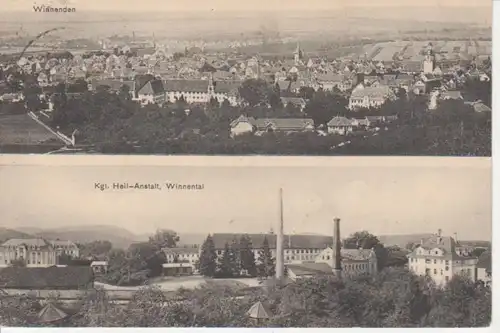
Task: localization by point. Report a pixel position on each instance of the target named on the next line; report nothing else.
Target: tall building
(437, 258)
(429, 61)
(298, 55)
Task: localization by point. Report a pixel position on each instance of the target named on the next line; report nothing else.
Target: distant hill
(192, 238)
(119, 237)
(402, 240)
(6, 234)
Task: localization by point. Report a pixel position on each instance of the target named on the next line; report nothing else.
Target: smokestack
(337, 261)
(439, 232)
(279, 244)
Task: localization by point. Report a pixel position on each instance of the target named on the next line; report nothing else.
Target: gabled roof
(37, 242)
(226, 87)
(181, 250)
(153, 87)
(291, 241)
(380, 91)
(446, 244)
(329, 77)
(340, 121)
(59, 242)
(354, 254)
(283, 123)
(293, 100)
(70, 277)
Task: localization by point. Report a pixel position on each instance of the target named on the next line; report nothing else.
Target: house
(451, 94)
(479, 106)
(295, 101)
(484, 268)
(370, 97)
(66, 282)
(35, 252)
(177, 269)
(182, 255)
(201, 91)
(152, 92)
(353, 261)
(244, 125)
(329, 81)
(99, 267)
(341, 125)
(65, 247)
(437, 258)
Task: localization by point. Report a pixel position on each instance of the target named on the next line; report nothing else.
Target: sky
(382, 195)
(232, 5)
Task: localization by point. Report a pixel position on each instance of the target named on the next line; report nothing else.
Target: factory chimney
(337, 260)
(279, 244)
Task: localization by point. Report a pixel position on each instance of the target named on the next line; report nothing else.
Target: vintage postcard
(264, 77)
(345, 242)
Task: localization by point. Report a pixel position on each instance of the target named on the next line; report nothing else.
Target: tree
(324, 106)
(95, 249)
(361, 239)
(266, 266)
(164, 239)
(247, 256)
(235, 257)
(207, 264)
(477, 251)
(225, 264)
(255, 92)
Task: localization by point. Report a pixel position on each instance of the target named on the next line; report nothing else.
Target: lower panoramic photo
(348, 243)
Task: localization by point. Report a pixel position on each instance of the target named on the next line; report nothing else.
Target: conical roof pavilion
(258, 311)
(50, 313)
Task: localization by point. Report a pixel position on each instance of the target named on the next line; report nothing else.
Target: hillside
(6, 234)
(119, 237)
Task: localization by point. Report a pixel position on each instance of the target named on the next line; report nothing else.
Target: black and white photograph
(377, 242)
(264, 77)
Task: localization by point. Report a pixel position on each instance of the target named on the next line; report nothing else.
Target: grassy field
(22, 130)
(412, 50)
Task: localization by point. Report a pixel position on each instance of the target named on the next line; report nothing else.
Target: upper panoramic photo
(267, 77)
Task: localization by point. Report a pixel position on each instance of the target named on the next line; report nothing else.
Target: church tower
(297, 55)
(429, 61)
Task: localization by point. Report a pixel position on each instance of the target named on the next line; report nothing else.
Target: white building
(65, 247)
(297, 248)
(201, 91)
(353, 261)
(188, 255)
(437, 258)
(370, 97)
(35, 252)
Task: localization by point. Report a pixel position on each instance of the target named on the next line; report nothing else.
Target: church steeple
(297, 55)
(430, 60)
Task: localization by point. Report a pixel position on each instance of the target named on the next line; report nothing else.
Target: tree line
(237, 259)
